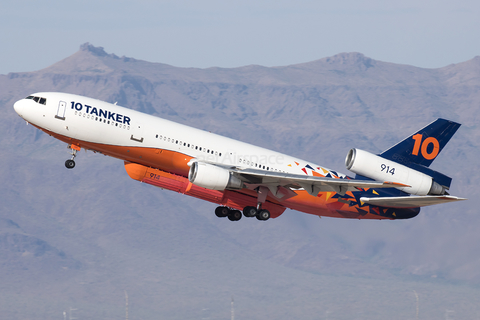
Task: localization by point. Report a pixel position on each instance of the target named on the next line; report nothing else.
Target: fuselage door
(62, 105)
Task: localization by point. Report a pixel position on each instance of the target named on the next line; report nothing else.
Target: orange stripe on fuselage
(167, 160)
(176, 163)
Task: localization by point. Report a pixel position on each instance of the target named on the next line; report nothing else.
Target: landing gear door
(62, 105)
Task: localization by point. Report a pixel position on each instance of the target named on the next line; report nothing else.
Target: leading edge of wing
(409, 201)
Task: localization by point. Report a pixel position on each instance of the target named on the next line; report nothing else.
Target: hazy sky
(186, 33)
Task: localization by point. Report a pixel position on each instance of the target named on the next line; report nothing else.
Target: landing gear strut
(248, 211)
(262, 214)
(70, 163)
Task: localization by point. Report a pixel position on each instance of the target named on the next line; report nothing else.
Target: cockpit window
(38, 99)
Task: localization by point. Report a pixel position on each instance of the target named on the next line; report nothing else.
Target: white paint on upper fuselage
(85, 124)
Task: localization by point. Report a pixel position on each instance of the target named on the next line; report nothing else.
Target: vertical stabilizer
(420, 149)
(424, 146)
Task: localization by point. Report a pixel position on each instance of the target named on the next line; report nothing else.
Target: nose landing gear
(70, 163)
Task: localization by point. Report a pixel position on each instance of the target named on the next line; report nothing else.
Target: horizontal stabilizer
(409, 202)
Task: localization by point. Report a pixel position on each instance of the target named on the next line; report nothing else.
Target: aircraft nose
(18, 106)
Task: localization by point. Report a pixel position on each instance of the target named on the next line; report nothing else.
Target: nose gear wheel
(70, 163)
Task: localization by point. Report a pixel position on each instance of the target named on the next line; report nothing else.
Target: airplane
(242, 178)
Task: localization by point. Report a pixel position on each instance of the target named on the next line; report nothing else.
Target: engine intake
(375, 167)
(213, 177)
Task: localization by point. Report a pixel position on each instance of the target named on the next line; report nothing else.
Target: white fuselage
(90, 120)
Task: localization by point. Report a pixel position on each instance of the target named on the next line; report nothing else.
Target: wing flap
(409, 201)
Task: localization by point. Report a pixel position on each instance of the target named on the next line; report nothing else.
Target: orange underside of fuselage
(169, 170)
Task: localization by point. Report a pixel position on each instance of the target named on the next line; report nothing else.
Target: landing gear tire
(263, 215)
(222, 212)
(234, 215)
(249, 212)
(70, 164)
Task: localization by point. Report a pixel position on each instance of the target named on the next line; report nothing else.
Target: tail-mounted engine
(213, 177)
(375, 167)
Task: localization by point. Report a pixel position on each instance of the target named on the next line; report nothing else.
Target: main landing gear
(235, 215)
(248, 211)
(70, 163)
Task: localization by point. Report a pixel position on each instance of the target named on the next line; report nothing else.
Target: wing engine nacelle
(213, 177)
(375, 167)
